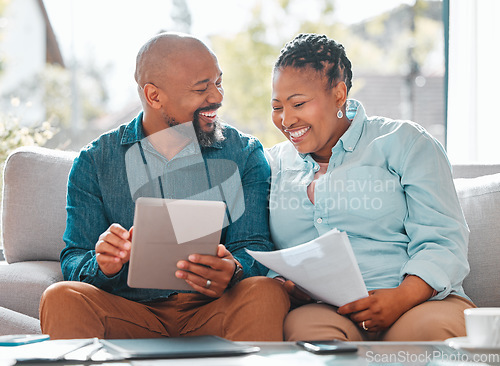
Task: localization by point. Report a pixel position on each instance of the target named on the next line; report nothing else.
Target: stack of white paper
(325, 268)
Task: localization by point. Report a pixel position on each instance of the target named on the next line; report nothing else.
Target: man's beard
(205, 139)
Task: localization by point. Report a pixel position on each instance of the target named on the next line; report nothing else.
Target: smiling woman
(401, 232)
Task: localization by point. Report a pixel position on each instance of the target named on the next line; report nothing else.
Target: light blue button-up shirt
(389, 187)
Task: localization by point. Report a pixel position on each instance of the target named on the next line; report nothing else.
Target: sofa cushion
(34, 203)
(22, 284)
(480, 201)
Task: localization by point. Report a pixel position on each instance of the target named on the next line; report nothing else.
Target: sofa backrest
(34, 203)
(474, 170)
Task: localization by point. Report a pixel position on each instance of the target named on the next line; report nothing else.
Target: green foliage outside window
(14, 135)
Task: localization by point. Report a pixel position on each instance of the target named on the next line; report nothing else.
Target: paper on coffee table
(325, 268)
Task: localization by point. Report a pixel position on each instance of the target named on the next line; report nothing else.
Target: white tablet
(166, 231)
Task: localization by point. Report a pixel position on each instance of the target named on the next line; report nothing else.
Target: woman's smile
(297, 134)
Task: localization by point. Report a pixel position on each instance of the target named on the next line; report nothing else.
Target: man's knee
(60, 291)
(54, 293)
(255, 309)
(53, 303)
(62, 296)
(264, 289)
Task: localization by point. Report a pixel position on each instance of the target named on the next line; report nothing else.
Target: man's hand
(200, 270)
(113, 249)
(297, 296)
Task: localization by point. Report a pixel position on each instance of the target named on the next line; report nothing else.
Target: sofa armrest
(480, 201)
(17, 323)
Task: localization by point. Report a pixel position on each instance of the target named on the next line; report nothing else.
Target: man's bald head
(155, 55)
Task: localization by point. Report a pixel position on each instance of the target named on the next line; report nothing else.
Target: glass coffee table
(289, 354)
(381, 353)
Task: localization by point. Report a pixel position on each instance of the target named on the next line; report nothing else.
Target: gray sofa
(33, 221)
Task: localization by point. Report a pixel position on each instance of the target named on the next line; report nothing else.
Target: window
(396, 47)
(474, 76)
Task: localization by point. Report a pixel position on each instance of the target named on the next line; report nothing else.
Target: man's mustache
(210, 107)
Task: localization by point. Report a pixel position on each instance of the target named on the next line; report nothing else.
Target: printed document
(325, 268)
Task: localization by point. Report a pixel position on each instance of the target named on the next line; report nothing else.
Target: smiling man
(175, 148)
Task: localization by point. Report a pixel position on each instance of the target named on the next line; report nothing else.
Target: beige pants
(429, 321)
(253, 310)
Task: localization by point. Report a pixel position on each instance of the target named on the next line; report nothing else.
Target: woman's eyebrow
(295, 95)
(290, 97)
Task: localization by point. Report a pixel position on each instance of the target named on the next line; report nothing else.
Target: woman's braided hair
(319, 52)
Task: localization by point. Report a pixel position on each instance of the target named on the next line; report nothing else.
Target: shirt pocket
(373, 192)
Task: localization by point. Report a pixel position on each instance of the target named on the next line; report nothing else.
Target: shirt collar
(355, 112)
(134, 132)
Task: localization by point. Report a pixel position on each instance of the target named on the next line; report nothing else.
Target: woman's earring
(340, 114)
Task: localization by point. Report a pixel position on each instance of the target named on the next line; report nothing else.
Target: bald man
(175, 148)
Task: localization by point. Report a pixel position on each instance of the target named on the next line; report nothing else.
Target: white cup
(483, 327)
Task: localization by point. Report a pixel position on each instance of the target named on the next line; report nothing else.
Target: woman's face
(305, 111)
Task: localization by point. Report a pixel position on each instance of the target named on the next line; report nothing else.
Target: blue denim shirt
(389, 187)
(99, 194)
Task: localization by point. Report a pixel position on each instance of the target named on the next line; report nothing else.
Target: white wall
(24, 49)
(474, 81)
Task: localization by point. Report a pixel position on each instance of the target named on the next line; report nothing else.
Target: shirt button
(319, 220)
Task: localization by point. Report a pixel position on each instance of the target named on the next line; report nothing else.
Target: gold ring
(208, 284)
(364, 326)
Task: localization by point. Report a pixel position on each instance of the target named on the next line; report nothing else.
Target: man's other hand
(208, 274)
(113, 249)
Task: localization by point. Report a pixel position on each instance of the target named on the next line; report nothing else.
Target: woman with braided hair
(386, 183)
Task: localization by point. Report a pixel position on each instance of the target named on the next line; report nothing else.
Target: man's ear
(152, 95)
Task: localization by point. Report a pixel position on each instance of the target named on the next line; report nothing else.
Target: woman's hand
(378, 311)
(383, 307)
(297, 296)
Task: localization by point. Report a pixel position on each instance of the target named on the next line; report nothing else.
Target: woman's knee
(429, 321)
(319, 321)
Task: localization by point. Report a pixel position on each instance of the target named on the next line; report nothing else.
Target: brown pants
(253, 310)
(429, 321)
